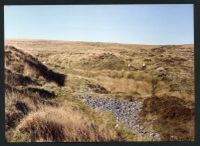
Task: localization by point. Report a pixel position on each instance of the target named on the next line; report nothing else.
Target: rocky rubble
(125, 111)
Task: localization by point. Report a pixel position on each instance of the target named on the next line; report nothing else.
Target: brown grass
(26, 64)
(172, 116)
(31, 116)
(71, 126)
(168, 96)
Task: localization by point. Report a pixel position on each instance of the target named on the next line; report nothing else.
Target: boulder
(161, 71)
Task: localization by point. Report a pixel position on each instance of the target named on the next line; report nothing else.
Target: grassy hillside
(49, 76)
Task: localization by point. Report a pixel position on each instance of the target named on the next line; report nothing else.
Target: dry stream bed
(125, 111)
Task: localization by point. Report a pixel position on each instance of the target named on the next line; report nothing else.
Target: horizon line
(42, 39)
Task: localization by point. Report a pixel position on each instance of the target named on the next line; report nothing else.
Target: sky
(131, 24)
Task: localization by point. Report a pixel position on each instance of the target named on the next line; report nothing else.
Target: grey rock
(124, 111)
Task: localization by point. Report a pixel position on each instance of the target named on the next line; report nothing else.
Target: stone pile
(125, 111)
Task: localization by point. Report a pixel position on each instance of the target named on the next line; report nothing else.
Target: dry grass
(17, 106)
(71, 126)
(126, 86)
(76, 122)
(31, 116)
(27, 65)
(119, 69)
(173, 117)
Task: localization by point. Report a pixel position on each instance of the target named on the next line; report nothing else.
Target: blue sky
(133, 24)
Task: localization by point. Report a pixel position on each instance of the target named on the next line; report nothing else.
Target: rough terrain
(125, 111)
(110, 91)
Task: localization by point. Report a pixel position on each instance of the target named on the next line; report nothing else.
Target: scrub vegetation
(45, 80)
